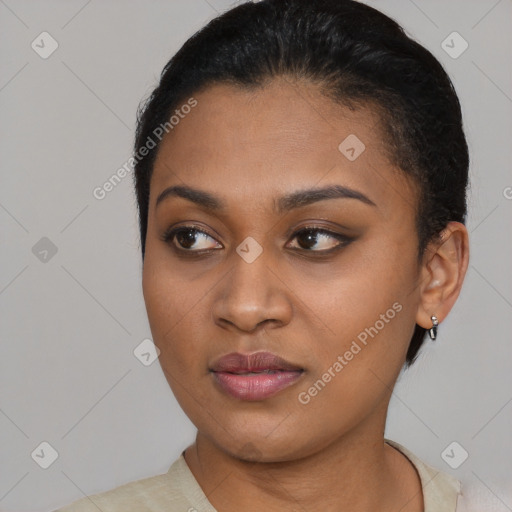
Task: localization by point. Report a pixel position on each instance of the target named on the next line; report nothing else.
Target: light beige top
(178, 491)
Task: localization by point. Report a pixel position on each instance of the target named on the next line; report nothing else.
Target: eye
(191, 239)
(310, 239)
(313, 239)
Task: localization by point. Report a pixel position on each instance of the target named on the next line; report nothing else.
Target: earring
(433, 330)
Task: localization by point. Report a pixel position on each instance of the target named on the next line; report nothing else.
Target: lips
(254, 376)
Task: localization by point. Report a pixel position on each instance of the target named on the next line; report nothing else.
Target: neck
(357, 472)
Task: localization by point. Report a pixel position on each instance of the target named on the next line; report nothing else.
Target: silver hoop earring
(433, 330)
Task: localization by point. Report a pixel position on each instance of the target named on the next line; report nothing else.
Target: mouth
(254, 377)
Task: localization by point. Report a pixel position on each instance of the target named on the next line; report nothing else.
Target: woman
(301, 174)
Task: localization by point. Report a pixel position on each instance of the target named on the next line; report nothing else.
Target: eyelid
(169, 234)
(343, 240)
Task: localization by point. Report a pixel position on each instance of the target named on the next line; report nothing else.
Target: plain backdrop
(72, 312)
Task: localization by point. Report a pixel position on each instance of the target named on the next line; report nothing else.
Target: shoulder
(175, 490)
(440, 490)
(444, 493)
(477, 498)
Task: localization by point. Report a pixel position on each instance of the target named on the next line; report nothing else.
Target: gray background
(70, 322)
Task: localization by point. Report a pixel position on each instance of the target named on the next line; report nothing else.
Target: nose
(252, 296)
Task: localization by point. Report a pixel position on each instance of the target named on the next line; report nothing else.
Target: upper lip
(236, 362)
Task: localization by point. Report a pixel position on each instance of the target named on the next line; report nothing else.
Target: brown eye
(191, 239)
(319, 240)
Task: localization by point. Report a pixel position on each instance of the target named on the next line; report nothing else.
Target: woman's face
(244, 275)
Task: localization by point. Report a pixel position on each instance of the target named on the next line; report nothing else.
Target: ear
(443, 270)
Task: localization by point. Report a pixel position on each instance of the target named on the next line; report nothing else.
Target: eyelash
(171, 233)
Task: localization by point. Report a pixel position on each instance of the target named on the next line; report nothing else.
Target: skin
(248, 148)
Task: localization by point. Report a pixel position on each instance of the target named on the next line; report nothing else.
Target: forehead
(252, 143)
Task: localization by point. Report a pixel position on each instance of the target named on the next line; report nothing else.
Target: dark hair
(359, 57)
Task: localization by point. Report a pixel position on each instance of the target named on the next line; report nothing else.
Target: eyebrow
(283, 204)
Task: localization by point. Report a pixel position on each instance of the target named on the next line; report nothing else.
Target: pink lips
(255, 376)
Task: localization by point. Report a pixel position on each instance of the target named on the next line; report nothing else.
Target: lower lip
(255, 387)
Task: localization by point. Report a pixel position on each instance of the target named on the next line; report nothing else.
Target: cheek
(167, 300)
(173, 306)
(367, 287)
(369, 310)
(353, 372)
(176, 304)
